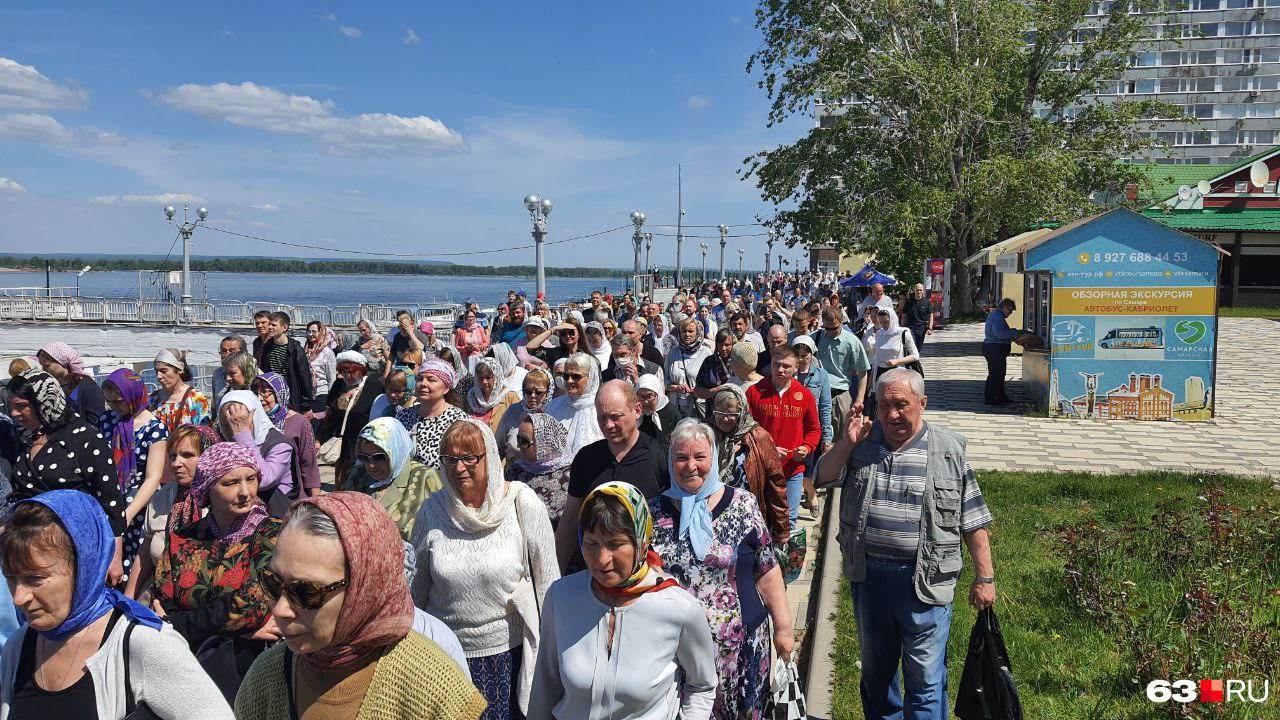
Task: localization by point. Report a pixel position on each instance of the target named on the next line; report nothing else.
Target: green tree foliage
(295, 265)
(957, 122)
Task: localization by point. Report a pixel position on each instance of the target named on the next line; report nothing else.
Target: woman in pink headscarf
(63, 362)
(207, 584)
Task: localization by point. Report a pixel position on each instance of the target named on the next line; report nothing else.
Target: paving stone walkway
(1243, 439)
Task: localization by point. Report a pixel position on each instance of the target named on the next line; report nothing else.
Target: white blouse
(662, 663)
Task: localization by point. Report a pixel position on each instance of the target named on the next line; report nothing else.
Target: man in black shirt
(631, 329)
(625, 454)
(917, 314)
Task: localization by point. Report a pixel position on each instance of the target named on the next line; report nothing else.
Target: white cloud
(697, 102)
(259, 223)
(7, 185)
(266, 207)
(411, 37)
(41, 128)
(265, 108)
(329, 17)
(351, 32)
(22, 87)
(162, 199)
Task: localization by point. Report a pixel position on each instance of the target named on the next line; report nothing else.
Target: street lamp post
(704, 247)
(79, 275)
(741, 252)
(773, 237)
(724, 240)
(637, 219)
(185, 230)
(539, 209)
(648, 246)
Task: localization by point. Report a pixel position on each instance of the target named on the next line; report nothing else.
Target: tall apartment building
(1225, 73)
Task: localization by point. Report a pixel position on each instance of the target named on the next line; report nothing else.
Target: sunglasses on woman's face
(366, 458)
(302, 593)
(523, 442)
(534, 392)
(467, 460)
(574, 376)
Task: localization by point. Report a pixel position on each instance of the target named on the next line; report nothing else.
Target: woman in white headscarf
(660, 334)
(660, 414)
(512, 373)
(485, 556)
(894, 345)
(598, 344)
(488, 399)
(242, 420)
(576, 409)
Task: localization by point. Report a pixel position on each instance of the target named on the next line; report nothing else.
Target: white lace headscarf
(578, 414)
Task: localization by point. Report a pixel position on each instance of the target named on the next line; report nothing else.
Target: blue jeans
(895, 626)
(795, 492)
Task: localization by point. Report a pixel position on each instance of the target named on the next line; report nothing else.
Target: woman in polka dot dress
(138, 441)
(60, 451)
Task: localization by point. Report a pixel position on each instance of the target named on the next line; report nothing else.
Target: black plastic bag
(987, 690)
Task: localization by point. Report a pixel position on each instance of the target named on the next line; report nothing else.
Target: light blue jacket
(819, 383)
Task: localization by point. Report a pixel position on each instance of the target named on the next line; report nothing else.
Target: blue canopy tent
(868, 276)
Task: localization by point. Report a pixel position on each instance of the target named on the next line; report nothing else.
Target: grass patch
(1081, 656)
(1249, 312)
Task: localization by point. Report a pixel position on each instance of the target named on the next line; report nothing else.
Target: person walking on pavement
(917, 314)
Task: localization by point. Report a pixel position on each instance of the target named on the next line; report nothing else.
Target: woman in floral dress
(713, 539)
(138, 442)
(206, 582)
(176, 403)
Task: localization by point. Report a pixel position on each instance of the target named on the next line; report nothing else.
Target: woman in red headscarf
(63, 362)
(343, 606)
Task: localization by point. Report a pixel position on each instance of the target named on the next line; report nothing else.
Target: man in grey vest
(909, 497)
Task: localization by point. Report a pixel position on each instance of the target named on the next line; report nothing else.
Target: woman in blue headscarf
(385, 469)
(87, 650)
(713, 539)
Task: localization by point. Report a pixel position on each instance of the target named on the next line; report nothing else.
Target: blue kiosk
(1126, 309)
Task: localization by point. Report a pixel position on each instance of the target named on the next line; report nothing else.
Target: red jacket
(791, 419)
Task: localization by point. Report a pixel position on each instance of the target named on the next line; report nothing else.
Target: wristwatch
(984, 580)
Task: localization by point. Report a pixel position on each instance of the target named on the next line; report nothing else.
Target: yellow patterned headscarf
(642, 530)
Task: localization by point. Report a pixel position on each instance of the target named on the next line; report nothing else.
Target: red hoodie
(791, 419)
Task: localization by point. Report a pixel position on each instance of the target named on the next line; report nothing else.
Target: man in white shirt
(876, 297)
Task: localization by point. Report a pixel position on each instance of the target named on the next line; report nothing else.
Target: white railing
(19, 308)
(36, 291)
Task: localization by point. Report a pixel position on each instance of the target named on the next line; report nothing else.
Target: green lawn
(1249, 312)
(1070, 663)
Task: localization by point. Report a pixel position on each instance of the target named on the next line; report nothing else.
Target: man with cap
(996, 346)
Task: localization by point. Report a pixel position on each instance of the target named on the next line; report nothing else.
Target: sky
(393, 127)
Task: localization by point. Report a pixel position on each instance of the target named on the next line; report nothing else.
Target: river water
(298, 289)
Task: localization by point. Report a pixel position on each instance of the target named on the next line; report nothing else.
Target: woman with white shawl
(660, 334)
(488, 399)
(509, 364)
(598, 344)
(894, 346)
(485, 557)
(576, 409)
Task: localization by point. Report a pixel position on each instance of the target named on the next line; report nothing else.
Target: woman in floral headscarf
(542, 461)
(488, 399)
(535, 390)
(206, 584)
(138, 441)
(385, 469)
(63, 362)
(622, 640)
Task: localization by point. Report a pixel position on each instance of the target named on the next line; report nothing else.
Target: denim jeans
(795, 492)
(894, 627)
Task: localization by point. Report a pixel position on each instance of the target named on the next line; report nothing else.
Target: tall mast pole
(679, 221)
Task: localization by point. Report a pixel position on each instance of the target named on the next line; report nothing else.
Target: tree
(953, 123)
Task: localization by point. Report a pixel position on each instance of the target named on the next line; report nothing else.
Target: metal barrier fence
(212, 312)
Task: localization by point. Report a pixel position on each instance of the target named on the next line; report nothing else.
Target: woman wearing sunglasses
(622, 640)
(87, 650)
(536, 390)
(338, 590)
(485, 556)
(576, 409)
(205, 583)
(561, 341)
(385, 470)
(541, 461)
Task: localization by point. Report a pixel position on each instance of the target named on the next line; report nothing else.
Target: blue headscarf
(388, 434)
(695, 516)
(86, 523)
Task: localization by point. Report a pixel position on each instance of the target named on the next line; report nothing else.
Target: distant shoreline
(301, 267)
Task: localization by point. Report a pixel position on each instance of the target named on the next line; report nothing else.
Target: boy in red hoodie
(789, 412)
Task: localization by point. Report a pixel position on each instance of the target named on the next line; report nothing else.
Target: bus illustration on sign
(1146, 338)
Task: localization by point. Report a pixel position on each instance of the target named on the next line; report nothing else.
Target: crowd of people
(573, 512)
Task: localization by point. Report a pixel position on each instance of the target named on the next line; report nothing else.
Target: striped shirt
(893, 517)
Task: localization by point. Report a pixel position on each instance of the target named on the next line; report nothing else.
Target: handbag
(217, 656)
(791, 554)
(987, 690)
(331, 450)
(786, 702)
(133, 710)
(914, 364)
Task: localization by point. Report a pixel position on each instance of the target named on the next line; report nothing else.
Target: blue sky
(389, 127)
